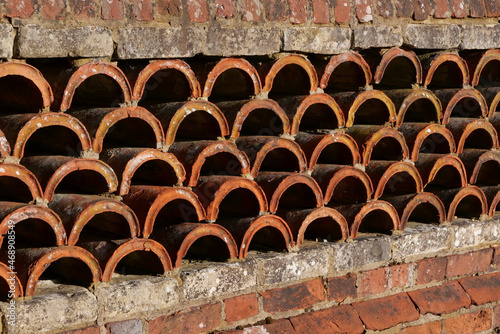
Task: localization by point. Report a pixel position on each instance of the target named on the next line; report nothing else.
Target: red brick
(225, 9)
(197, 10)
(442, 9)
(458, 8)
(19, 8)
(477, 8)
(53, 10)
(385, 9)
(293, 297)
(421, 9)
(82, 9)
(112, 10)
(339, 319)
(340, 288)
(252, 10)
(404, 8)
(400, 275)
(492, 8)
(282, 326)
(469, 323)
(496, 257)
(169, 7)
(428, 328)
(364, 11)
(276, 10)
(142, 10)
(429, 270)
(469, 263)
(496, 317)
(241, 307)
(342, 11)
(321, 11)
(383, 313)
(195, 320)
(373, 282)
(88, 330)
(298, 11)
(445, 298)
(482, 289)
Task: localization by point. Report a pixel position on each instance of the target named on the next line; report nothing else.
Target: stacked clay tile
(213, 160)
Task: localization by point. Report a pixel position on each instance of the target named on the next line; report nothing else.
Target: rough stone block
(54, 309)
(377, 37)
(365, 251)
(290, 267)
(133, 299)
(426, 36)
(419, 240)
(469, 233)
(242, 41)
(218, 279)
(35, 41)
(327, 40)
(6, 40)
(480, 36)
(150, 42)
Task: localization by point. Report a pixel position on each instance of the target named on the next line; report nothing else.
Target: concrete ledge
(324, 40)
(242, 41)
(35, 41)
(426, 36)
(480, 36)
(7, 35)
(377, 37)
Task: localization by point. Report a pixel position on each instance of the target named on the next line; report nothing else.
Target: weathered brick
(276, 10)
(322, 40)
(194, 320)
(340, 288)
(252, 10)
(128, 326)
(482, 289)
(377, 36)
(298, 11)
(364, 11)
(442, 9)
(477, 8)
(373, 282)
(219, 280)
(19, 8)
(197, 10)
(428, 36)
(469, 263)
(420, 239)
(150, 295)
(365, 251)
(496, 257)
(492, 8)
(429, 270)
(294, 267)
(53, 10)
(496, 317)
(142, 10)
(282, 326)
(142, 42)
(225, 9)
(383, 313)
(73, 306)
(404, 8)
(481, 37)
(400, 275)
(445, 298)
(84, 10)
(385, 9)
(241, 307)
(320, 11)
(469, 323)
(422, 9)
(242, 41)
(112, 10)
(293, 297)
(342, 11)
(169, 7)
(428, 328)
(458, 8)
(339, 319)
(35, 41)
(6, 40)
(88, 330)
